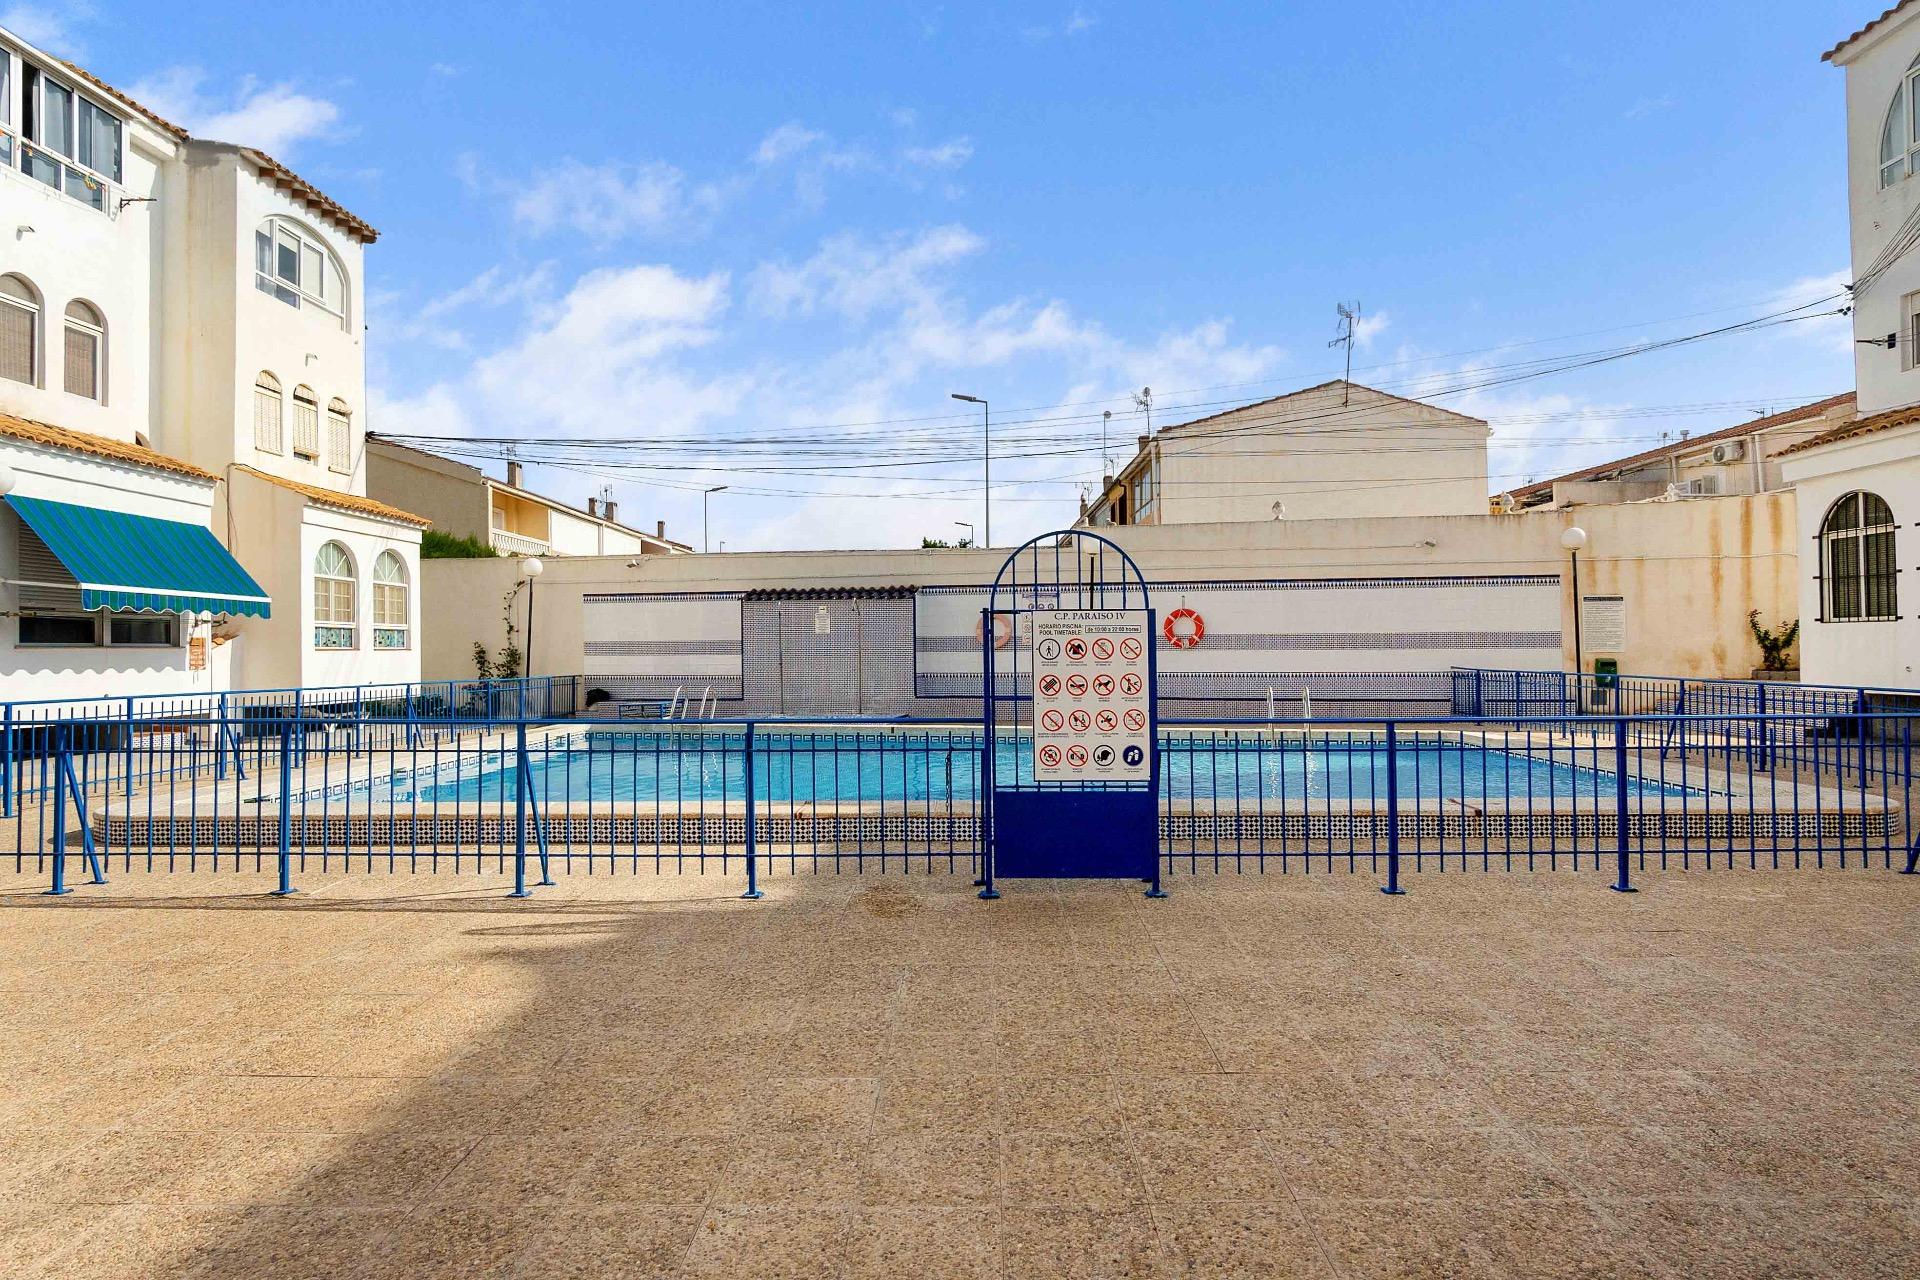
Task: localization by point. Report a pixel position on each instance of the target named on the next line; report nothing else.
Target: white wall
(1875, 67)
(1861, 653)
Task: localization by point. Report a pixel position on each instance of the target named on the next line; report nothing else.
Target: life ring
(1002, 631)
(1184, 639)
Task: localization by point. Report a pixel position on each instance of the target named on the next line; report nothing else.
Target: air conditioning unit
(1729, 451)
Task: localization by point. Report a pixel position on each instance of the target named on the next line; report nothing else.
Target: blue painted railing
(316, 797)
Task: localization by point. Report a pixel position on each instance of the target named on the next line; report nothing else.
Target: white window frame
(330, 622)
(98, 332)
(404, 588)
(102, 620)
(71, 171)
(297, 292)
(37, 311)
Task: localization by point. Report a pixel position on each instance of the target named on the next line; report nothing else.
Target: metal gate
(1070, 765)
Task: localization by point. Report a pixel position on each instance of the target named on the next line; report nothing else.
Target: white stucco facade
(204, 273)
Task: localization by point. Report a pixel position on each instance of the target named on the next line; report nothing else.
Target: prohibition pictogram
(1050, 755)
(1052, 721)
(1078, 720)
(1102, 649)
(1131, 684)
(1136, 719)
(1103, 685)
(1049, 685)
(1076, 650)
(1077, 685)
(1105, 721)
(1103, 756)
(1130, 649)
(1077, 756)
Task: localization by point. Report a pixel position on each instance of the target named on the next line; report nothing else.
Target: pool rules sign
(1090, 711)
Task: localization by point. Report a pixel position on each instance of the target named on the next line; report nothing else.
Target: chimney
(1143, 441)
(609, 509)
(513, 473)
(660, 528)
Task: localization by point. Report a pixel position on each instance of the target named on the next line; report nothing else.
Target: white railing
(517, 544)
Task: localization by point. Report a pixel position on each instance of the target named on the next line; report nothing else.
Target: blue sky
(692, 222)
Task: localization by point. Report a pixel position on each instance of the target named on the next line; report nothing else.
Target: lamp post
(530, 569)
(968, 526)
(1573, 539)
(705, 545)
(986, 463)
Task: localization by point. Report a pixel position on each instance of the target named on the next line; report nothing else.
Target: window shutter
(38, 564)
(16, 342)
(306, 427)
(267, 415)
(339, 442)
(83, 363)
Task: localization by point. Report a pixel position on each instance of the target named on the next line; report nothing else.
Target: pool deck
(882, 1076)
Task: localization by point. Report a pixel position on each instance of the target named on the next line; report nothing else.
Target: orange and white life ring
(1002, 630)
(1188, 638)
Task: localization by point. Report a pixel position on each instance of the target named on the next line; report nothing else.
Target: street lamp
(1573, 539)
(968, 526)
(719, 488)
(530, 569)
(986, 462)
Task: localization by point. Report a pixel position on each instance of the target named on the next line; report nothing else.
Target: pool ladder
(681, 706)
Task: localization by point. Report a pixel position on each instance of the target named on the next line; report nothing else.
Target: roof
(147, 113)
(541, 498)
(287, 181)
(98, 446)
(342, 501)
(1883, 18)
(1322, 386)
(1867, 426)
(1784, 418)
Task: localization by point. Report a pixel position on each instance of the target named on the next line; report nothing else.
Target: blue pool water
(670, 768)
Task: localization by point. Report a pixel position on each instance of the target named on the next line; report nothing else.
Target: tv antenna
(1106, 462)
(1144, 403)
(1349, 315)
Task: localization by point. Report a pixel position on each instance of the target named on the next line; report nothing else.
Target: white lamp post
(530, 569)
(1573, 539)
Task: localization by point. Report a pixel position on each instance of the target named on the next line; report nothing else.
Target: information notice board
(1090, 709)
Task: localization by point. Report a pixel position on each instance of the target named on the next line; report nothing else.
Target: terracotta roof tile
(1828, 55)
(306, 193)
(98, 446)
(1320, 386)
(343, 501)
(1859, 427)
(1781, 419)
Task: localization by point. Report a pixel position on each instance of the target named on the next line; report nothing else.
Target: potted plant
(1774, 645)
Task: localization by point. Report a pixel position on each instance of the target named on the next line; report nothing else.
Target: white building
(182, 341)
(1859, 482)
(1337, 450)
(466, 502)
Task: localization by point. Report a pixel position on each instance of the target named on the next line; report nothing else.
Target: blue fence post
(1860, 732)
(520, 889)
(286, 888)
(59, 824)
(1766, 756)
(6, 764)
(1621, 882)
(129, 753)
(983, 802)
(753, 880)
(1393, 812)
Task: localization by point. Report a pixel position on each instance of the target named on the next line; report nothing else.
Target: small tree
(504, 665)
(1773, 644)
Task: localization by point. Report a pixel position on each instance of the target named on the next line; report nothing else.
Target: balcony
(514, 544)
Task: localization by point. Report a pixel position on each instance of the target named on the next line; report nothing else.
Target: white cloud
(855, 275)
(1367, 328)
(787, 141)
(947, 155)
(276, 118)
(610, 200)
(1830, 333)
(50, 29)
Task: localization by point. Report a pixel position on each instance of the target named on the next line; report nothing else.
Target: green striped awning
(123, 561)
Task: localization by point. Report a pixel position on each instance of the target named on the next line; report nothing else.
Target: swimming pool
(677, 768)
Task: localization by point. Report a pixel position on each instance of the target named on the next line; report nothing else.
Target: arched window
(86, 347)
(1900, 134)
(291, 263)
(339, 437)
(306, 422)
(19, 330)
(1857, 568)
(390, 613)
(269, 414)
(334, 588)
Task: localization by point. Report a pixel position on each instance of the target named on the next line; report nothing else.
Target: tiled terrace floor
(1515, 1075)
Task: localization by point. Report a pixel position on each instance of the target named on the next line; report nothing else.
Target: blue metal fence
(313, 795)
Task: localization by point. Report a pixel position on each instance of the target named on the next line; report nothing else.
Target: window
(1144, 486)
(1909, 338)
(339, 438)
(390, 614)
(6, 108)
(121, 630)
(291, 264)
(19, 331)
(150, 629)
(1900, 134)
(333, 592)
(86, 338)
(1857, 568)
(68, 141)
(306, 423)
(269, 414)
